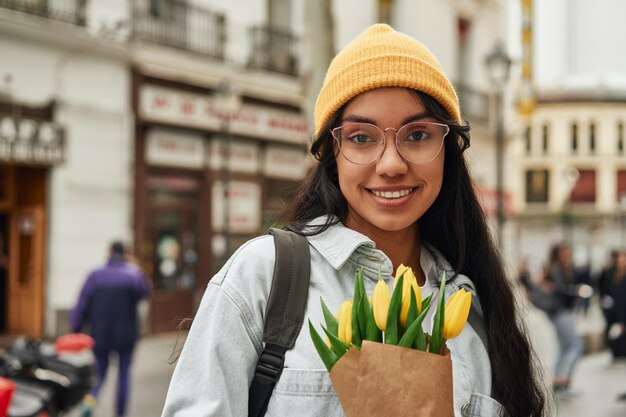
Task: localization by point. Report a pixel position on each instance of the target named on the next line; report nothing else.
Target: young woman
(391, 187)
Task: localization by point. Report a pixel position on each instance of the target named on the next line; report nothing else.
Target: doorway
(170, 247)
(22, 249)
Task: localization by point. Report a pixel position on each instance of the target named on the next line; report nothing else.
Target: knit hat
(382, 57)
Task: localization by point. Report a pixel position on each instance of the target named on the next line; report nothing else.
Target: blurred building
(569, 170)
(178, 126)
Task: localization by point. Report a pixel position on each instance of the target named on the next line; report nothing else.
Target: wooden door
(26, 271)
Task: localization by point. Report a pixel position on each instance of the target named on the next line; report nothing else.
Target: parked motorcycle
(54, 377)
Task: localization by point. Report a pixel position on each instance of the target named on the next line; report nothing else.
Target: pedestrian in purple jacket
(108, 306)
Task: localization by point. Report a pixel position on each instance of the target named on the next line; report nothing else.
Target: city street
(598, 380)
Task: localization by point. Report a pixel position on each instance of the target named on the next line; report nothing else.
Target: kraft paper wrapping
(386, 380)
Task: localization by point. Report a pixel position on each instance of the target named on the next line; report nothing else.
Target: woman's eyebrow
(416, 117)
(361, 119)
(357, 119)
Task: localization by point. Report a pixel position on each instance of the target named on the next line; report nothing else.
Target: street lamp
(498, 65)
(228, 102)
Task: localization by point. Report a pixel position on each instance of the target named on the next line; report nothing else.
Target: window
(528, 139)
(592, 138)
(620, 138)
(384, 11)
(585, 189)
(544, 139)
(574, 138)
(464, 50)
(537, 186)
(621, 185)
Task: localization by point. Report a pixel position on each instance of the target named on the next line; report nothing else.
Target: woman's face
(390, 194)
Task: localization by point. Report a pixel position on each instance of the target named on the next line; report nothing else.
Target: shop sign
(28, 141)
(243, 207)
(171, 148)
(167, 105)
(242, 156)
(282, 162)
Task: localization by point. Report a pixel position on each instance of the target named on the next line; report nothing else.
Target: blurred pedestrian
(607, 290)
(560, 282)
(619, 278)
(614, 301)
(108, 305)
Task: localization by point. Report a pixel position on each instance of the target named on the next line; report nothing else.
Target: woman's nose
(391, 163)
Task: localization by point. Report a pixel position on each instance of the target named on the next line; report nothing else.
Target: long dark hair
(455, 225)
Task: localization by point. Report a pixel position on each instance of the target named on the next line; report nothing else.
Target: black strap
(283, 316)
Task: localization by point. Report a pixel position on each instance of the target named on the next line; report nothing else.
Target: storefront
(30, 145)
(204, 184)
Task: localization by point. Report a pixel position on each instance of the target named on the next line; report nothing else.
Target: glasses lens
(421, 142)
(360, 143)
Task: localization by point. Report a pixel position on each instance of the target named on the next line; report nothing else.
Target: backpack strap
(284, 314)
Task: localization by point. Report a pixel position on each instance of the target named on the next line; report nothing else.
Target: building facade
(568, 170)
(179, 128)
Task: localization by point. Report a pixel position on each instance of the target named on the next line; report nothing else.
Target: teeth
(392, 194)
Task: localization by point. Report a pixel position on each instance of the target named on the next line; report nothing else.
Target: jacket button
(465, 410)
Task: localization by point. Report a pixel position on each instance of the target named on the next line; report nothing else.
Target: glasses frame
(384, 141)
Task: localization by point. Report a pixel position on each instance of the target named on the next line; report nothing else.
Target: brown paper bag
(387, 380)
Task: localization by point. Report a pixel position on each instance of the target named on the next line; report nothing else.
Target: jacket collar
(337, 243)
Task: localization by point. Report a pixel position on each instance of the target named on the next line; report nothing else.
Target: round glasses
(364, 143)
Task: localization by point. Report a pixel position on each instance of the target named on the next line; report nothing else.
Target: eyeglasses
(364, 143)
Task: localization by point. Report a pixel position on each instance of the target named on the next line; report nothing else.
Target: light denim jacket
(217, 363)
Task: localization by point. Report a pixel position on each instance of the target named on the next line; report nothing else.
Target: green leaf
(364, 307)
(437, 337)
(357, 336)
(331, 321)
(393, 317)
(412, 331)
(421, 341)
(326, 354)
(338, 346)
(372, 332)
(426, 302)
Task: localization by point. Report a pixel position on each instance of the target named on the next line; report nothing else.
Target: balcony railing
(474, 103)
(179, 25)
(69, 11)
(273, 50)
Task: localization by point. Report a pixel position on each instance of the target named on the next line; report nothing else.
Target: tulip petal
(458, 318)
(344, 331)
(380, 304)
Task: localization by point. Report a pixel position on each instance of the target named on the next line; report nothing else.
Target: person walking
(559, 282)
(391, 188)
(108, 304)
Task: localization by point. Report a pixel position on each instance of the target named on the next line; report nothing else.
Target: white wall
(89, 194)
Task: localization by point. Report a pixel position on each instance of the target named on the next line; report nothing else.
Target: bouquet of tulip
(380, 360)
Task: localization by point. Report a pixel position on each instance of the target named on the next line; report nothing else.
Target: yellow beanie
(383, 57)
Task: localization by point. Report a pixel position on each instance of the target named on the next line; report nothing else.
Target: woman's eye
(360, 138)
(418, 135)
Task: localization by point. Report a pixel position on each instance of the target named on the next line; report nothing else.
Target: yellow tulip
(456, 313)
(380, 304)
(409, 282)
(345, 322)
